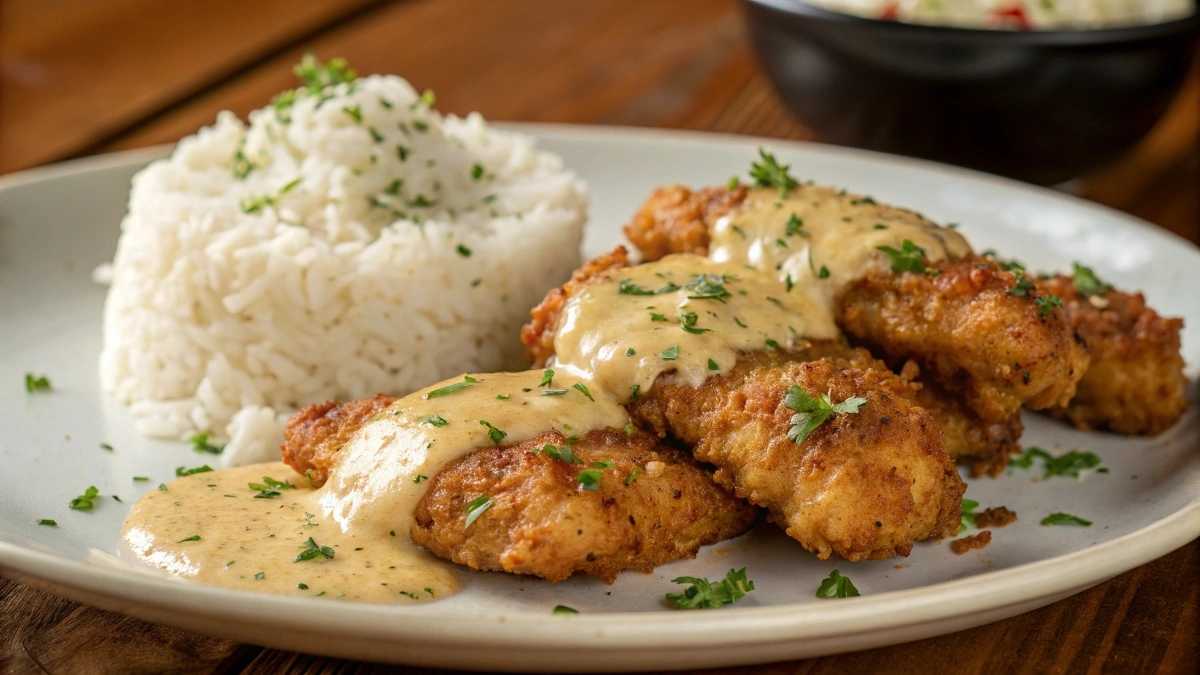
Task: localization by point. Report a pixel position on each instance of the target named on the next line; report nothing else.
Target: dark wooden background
(80, 77)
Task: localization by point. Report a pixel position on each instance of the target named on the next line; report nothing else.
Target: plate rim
(741, 626)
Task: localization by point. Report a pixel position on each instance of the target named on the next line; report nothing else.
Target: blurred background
(80, 77)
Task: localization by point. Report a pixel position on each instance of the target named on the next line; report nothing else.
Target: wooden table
(79, 77)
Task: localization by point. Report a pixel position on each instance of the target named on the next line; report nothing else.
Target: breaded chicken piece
(866, 485)
(657, 505)
(1135, 382)
(983, 446)
(654, 506)
(971, 333)
(677, 220)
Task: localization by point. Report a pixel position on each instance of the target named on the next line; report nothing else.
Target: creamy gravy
(830, 230)
(364, 511)
(663, 316)
(247, 543)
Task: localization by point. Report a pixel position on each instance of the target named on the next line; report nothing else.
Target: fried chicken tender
(970, 334)
(1135, 383)
(983, 446)
(866, 485)
(542, 521)
(677, 220)
(538, 334)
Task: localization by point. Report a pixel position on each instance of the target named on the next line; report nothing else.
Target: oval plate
(58, 223)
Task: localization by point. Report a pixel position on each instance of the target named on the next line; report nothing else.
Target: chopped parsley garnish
(303, 587)
(836, 586)
(795, 227)
(1087, 283)
(316, 76)
(494, 434)
(732, 183)
(47, 522)
(634, 392)
(435, 420)
(85, 501)
(256, 204)
(375, 135)
(584, 390)
(770, 173)
(194, 537)
(180, 471)
(555, 392)
(630, 352)
(463, 251)
(811, 411)
(627, 287)
(476, 507)
(419, 478)
(772, 344)
(242, 166)
(909, 258)
(269, 488)
(162, 487)
(36, 383)
(312, 550)
(263, 575)
(106, 446)
(687, 321)
(655, 316)
(968, 513)
(824, 273)
(712, 365)
(629, 428)
(670, 353)
(502, 397)
(589, 479)
(1024, 287)
(451, 388)
(200, 444)
(1070, 464)
(427, 98)
(1065, 519)
(633, 475)
(141, 479)
(547, 378)
(705, 594)
(476, 171)
(355, 113)
(781, 243)
(1047, 303)
(563, 609)
(708, 287)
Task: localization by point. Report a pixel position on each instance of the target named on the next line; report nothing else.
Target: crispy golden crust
(1135, 383)
(543, 523)
(971, 335)
(997, 516)
(865, 485)
(677, 220)
(983, 446)
(538, 334)
(316, 434)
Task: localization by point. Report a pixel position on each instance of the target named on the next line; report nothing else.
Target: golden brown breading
(542, 522)
(677, 220)
(983, 446)
(996, 516)
(975, 541)
(316, 434)
(865, 485)
(969, 333)
(1135, 382)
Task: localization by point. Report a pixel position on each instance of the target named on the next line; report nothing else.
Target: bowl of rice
(348, 240)
(1038, 90)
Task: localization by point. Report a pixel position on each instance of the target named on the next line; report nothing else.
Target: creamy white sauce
(834, 237)
(364, 511)
(626, 339)
(1017, 14)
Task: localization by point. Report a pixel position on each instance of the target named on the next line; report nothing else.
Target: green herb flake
(555, 392)
(633, 475)
(47, 522)
(908, 258)
(463, 251)
(547, 378)
(1087, 283)
(200, 444)
(355, 113)
(836, 586)
(180, 471)
(770, 173)
(968, 513)
(634, 392)
(1047, 303)
(687, 321)
(708, 287)
(194, 537)
(435, 420)
(824, 273)
(476, 507)
(36, 383)
(303, 587)
(654, 316)
(141, 479)
(495, 435)
(584, 390)
(589, 479)
(1072, 464)
(629, 429)
(670, 353)
(260, 576)
(812, 411)
(563, 609)
(451, 388)
(85, 501)
(712, 365)
(312, 551)
(630, 352)
(1065, 519)
(476, 171)
(705, 594)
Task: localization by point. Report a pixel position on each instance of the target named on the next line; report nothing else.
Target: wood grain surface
(79, 77)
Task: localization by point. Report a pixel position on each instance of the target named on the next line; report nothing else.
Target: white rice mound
(374, 246)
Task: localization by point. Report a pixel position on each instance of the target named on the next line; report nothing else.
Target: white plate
(57, 223)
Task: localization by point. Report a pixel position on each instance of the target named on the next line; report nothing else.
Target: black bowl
(1039, 106)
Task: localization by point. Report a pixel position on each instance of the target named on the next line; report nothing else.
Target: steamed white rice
(373, 246)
